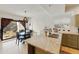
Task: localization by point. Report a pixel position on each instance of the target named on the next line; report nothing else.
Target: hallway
(10, 47)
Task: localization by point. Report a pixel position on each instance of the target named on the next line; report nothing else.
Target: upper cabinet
(77, 20)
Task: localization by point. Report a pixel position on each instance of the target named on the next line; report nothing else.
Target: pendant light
(25, 20)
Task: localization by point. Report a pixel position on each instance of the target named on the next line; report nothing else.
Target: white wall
(12, 16)
(72, 13)
(48, 19)
(47, 16)
(9, 15)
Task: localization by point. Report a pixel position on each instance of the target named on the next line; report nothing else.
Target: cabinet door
(72, 41)
(72, 38)
(72, 44)
(78, 42)
(69, 40)
(65, 40)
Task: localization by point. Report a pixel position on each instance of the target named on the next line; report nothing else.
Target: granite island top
(51, 45)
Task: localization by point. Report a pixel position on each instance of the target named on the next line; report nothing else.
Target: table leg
(31, 49)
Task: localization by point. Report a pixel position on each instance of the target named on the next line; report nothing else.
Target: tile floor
(10, 47)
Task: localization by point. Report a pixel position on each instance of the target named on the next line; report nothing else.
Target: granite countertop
(52, 45)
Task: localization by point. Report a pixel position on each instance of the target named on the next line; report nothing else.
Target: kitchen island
(48, 44)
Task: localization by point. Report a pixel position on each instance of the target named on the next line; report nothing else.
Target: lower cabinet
(70, 40)
(72, 44)
(78, 42)
(64, 40)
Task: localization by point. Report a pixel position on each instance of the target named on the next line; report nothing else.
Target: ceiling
(36, 9)
(32, 9)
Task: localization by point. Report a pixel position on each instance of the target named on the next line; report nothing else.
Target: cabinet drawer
(72, 40)
(72, 44)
